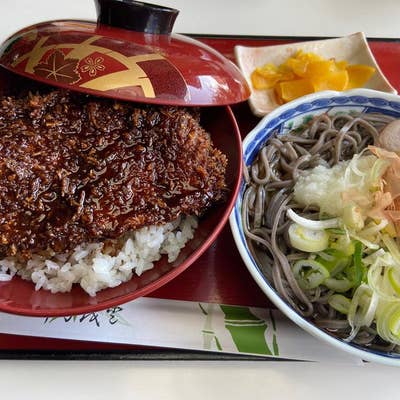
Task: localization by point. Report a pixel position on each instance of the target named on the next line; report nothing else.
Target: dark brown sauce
(74, 168)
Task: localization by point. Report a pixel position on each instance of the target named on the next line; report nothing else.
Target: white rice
(96, 266)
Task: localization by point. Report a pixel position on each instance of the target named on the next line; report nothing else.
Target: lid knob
(136, 16)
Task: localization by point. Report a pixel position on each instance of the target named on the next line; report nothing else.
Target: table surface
(222, 379)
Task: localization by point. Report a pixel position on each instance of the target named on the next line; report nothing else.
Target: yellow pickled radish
(337, 80)
(342, 64)
(267, 70)
(260, 82)
(359, 75)
(291, 90)
(299, 67)
(286, 73)
(320, 69)
(265, 77)
(305, 73)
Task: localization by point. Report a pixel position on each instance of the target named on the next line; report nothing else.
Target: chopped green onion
(394, 323)
(338, 285)
(326, 256)
(379, 281)
(311, 224)
(336, 231)
(359, 267)
(394, 279)
(365, 242)
(374, 228)
(378, 169)
(356, 272)
(334, 260)
(308, 240)
(392, 246)
(388, 322)
(375, 256)
(339, 303)
(362, 309)
(344, 244)
(309, 273)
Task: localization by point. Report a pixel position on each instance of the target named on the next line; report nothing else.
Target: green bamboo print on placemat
(208, 332)
(274, 337)
(248, 331)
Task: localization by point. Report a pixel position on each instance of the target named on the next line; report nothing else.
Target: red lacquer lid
(130, 54)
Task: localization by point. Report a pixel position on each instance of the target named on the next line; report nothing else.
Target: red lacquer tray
(219, 276)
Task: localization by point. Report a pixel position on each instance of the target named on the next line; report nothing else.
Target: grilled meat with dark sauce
(75, 169)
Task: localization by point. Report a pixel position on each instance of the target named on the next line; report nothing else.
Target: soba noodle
(270, 179)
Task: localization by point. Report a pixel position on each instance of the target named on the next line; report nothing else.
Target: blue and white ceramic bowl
(283, 119)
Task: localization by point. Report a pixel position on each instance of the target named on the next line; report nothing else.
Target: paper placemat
(185, 325)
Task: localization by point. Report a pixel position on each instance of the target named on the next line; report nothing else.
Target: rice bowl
(91, 190)
(18, 296)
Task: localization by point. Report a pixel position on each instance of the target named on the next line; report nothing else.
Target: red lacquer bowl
(19, 297)
(212, 82)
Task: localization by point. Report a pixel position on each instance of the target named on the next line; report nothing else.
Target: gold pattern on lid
(82, 53)
(92, 65)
